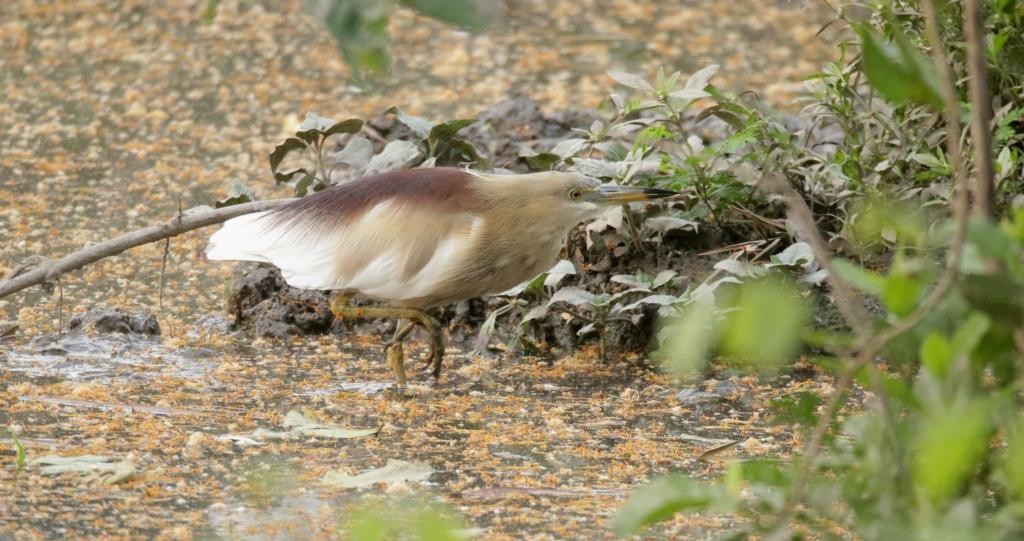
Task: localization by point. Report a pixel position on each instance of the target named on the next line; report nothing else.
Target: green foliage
(938, 452)
(360, 27)
(764, 323)
(322, 162)
(898, 69)
(20, 456)
(944, 448)
(441, 142)
(311, 136)
(404, 520)
(665, 497)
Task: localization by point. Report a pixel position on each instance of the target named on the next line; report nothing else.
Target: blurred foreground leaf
(687, 339)
(405, 519)
(663, 498)
(472, 15)
(899, 70)
(765, 323)
(1013, 464)
(950, 448)
(360, 28)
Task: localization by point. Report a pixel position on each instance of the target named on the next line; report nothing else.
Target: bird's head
(579, 197)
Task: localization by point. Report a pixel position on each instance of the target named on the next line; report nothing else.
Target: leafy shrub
(937, 452)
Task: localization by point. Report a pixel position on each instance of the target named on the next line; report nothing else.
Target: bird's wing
(397, 245)
(393, 251)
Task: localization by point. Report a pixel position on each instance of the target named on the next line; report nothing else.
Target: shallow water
(117, 114)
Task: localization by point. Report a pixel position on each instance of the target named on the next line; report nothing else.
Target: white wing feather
(381, 239)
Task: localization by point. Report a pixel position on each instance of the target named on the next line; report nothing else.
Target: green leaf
(950, 447)
(663, 498)
(969, 334)
(461, 152)
(360, 27)
(20, 457)
(302, 187)
(398, 154)
(799, 407)
(998, 295)
(991, 240)
(420, 126)
(1012, 471)
(315, 122)
(432, 525)
(738, 140)
(281, 178)
(574, 296)
(859, 278)
(474, 15)
(689, 94)
(937, 354)
(901, 293)
(237, 195)
(282, 150)
(702, 78)
(765, 323)
(732, 114)
(447, 130)
(569, 147)
(314, 126)
(759, 471)
(687, 339)
(631, 80)
(563, 268)
(352, 125)
(798, 254)
(899, 71)
(542, 161)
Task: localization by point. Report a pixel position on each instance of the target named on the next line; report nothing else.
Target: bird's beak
(613, 194)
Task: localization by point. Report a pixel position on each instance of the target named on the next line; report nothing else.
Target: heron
(416, 239)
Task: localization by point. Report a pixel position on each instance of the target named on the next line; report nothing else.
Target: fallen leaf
(395, 471)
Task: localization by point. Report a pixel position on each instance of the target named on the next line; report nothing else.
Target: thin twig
(60, 308)
(49, 271)
(163, 271)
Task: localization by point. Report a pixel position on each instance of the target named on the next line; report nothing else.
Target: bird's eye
(575, 194)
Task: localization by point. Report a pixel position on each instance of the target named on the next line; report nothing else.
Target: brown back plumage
(442, 188)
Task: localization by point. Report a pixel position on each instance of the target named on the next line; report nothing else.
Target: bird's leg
(396, 352)
(393, 348)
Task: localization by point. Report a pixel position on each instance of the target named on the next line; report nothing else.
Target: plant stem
(981, 109)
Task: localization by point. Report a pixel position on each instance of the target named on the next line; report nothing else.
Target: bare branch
(981, 109)
(195, 218)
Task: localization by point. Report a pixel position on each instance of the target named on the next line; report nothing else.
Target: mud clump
(114, 321)
(263, 304)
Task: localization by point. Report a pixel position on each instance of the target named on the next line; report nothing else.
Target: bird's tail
(241, 238)
(306, 260)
